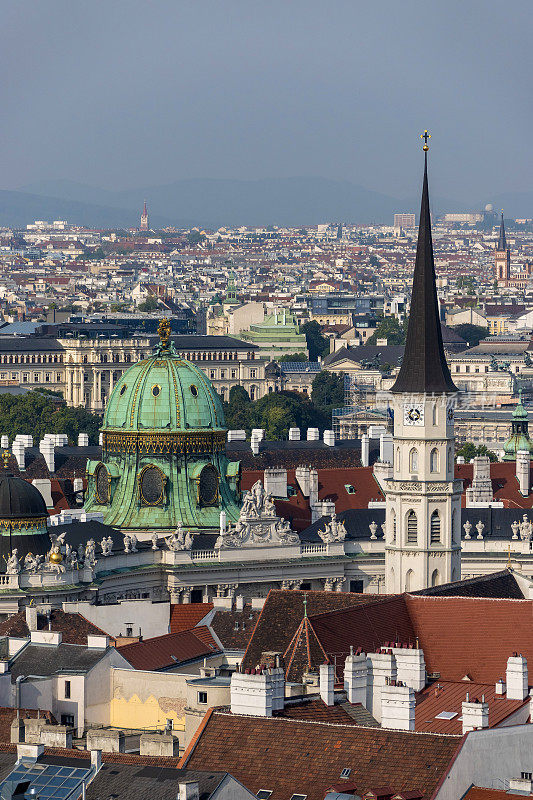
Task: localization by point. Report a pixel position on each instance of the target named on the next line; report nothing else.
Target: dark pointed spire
(502, 242)
(424, 369)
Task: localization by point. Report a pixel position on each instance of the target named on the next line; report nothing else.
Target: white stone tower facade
(423, 500)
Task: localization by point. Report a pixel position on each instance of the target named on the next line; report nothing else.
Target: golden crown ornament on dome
(164, 330)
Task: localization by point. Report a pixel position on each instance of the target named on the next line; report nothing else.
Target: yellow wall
(147, 699)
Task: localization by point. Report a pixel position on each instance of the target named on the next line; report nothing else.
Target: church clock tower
(423, 500)
(502, 257)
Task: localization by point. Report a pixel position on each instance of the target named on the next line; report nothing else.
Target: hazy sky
(126, 93)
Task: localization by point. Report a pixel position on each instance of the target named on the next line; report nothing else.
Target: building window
(233, 373)
(434, 460)
(36, 377)
(212, 374)
(47, 377)
(434, 533)
(393, 526)
(253, 373)
(356, 586)
(67, 690)
(413, 460)
(202, 698)
(25, 377)
(412, 528)
(67, 720)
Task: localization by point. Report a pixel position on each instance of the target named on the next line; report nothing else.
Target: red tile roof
(504, 483)
(289, 756)
(474, 636)
(73, 627)
(166, 651)
(476, 793)
(448, 696)
(184, 616)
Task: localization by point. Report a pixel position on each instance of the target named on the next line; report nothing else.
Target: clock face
(413, 414)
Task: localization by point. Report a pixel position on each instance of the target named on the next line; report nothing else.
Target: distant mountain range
(214, 203)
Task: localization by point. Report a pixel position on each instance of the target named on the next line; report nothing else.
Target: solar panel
(50, 781)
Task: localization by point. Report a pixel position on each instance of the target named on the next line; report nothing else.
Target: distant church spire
(424, 369)
(144, 219)
(502, 242)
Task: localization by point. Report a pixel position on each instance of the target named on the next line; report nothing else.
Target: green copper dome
(163, 450)
(164, 392)
(519, 439)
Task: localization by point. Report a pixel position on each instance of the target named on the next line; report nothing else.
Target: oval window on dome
(102, 484)
(156, 390)
(208, 486)
(152, 486)
(122, 388)
(194, 390)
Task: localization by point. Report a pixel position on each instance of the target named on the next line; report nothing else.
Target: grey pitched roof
(137, 782)
(44, 660)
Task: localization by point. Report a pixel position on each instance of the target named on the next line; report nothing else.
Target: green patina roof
(164, 392)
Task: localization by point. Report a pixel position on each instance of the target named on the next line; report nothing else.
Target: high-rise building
(145, 222)
(502, 257)
(423, 501)
(405, 221)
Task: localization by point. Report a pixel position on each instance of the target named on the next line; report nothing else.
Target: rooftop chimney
(517, 677)
(475, 714)
(294, 434)
(327, 684)
(523, 461)
(481, 489)
(356, 678)
(188, 790)
(252, 693)
(411, 667)
(365, 450)
(398, 707)
(31, 618)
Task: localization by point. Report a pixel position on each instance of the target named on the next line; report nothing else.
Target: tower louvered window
(412, 528)
(434, 533)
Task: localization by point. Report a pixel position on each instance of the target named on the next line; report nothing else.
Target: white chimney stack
(522, 471)
(475, 714)
(365, 450)
(17, 448)
(517, 677)
(294, 434)
(251, 693)
(313, 435)
(329, 438)
(83, 440)
(398, 707)
(100, 438)
(411, 667)
(382, 670)
(356, 678)
(327, 684)
(46, 446)
(4, 442)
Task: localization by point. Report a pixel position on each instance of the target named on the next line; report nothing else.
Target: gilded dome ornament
(164, 330)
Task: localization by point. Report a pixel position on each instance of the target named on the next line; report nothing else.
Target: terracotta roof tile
(472, 636)
(184, 616)
(73, 627)
(476, 793)
(449, 696)
(289, 756)
(163, 652)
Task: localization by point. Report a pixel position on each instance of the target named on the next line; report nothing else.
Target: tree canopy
(37, 413)
(317, 344)
(293, 357)
(150, 304)
(279, 411)
(471, 333)
(327, 391)
(390, 329)
(469, 451)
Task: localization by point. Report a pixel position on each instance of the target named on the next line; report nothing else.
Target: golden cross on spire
(425, 136)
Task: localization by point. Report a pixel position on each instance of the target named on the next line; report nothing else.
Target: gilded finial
(6, 455)
(425, 136)
(164, 331)
(509, 557)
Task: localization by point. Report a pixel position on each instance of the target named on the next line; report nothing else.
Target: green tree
(150, 304)
(37, 413)
(471, 333)
(469, 451)
(327, 391)
(195, 237)
(390, 329)
(297, 411)
(293, 357)
(317, 344)
(236, 409)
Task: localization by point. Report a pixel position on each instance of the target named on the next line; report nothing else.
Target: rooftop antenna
(305, 605)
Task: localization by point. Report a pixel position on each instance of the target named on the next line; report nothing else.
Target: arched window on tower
(413, 460)
(450, 460)
(435, 578)
(393, 526)
(435, 417)
(409, 580)
(412, 528)
(434, 460)
(398, 459)
(434, 532)
(455, 532)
